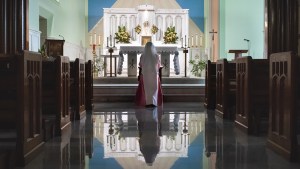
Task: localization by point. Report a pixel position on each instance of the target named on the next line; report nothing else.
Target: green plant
(42, 50)
(198, 67)
(122, 35)
(170, 35)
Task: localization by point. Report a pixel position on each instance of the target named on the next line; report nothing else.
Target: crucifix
(213, 33)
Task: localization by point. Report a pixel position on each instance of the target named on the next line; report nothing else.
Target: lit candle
(182, 42)
(95, 38)
(91, 39)
(192, 41)
(200, 40)
(114, 42)
(188, 41)
(185, 40)
(196, 40)
(99, 40)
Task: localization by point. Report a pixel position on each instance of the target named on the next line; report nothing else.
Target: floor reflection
(155, 138)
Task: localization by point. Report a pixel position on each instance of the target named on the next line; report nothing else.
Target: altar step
(119, 89)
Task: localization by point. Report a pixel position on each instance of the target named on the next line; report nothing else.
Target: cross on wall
(213, 32)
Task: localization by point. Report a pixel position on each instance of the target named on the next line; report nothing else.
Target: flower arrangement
(198, 66)
(170, 35)
(154, 29)
(138, 29)
(122, 35)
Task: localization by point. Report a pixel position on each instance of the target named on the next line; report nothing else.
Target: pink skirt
(140, 99)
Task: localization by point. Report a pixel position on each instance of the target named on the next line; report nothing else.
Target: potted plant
(198, 67)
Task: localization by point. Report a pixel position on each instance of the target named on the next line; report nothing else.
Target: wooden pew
(20, 106)
(284, 115)
(56, 96)
(89, 85)
(210, 85)
(77, 89)
(252, 95)
(225, 89)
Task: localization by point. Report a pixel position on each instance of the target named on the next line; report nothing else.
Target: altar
(128, 29)
(133, 52)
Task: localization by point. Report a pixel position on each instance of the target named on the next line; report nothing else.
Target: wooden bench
(210, 85)
(20, 106)
(56, 96)
(89, 85)
(252, 95)
(284, 115)
(77, 89)
(225, 89)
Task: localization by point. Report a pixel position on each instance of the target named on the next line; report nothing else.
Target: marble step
(133, 80)
(126, 92)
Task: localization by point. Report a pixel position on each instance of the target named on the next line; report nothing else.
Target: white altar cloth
(139, 49)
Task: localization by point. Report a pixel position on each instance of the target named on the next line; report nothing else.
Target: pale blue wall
(33, 17)
(67, 18)
(239, 20)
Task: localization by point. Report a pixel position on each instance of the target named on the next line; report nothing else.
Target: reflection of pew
(210, 85)
(225, 89)
(77, 145)
(56, 96)
(77, 89)
(252, 102)
(89, 85)
(250, 151)
(57, 152)
(20, 105)
(225, 145)
(89, 135)
(210, 133)
(284, 116)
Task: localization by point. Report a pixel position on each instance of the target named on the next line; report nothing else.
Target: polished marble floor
(176, 136)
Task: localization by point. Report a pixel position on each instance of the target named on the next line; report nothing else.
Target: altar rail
(20, 106)
(225, 89)
(284, 125)
(252, 98)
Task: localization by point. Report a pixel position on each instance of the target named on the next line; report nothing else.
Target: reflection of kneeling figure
(149, 132)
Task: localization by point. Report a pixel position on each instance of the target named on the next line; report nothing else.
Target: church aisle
(178, 135)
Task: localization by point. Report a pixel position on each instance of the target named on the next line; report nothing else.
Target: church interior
(70, 70)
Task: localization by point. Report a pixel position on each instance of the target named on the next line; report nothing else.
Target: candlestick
(114, 42)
